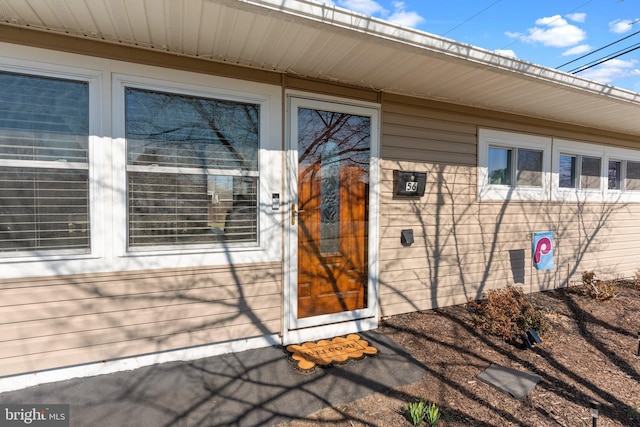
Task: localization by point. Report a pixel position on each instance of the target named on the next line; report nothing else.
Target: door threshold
(297, 336)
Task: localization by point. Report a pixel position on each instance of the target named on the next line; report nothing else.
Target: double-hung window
(192, 169)
(44, 164)
(512, 166)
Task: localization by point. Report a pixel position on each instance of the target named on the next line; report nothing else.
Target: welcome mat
(325, 352)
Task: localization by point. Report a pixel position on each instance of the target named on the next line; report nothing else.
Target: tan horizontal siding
(321, 86)
(565, 239)
(464, 247)
(67, 320)
(409, 305)
(418, 154)
(114, 348)
(471, 117)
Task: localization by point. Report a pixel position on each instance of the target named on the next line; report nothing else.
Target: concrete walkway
(252, 388)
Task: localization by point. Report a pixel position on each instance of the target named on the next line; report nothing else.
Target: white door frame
(330, 325)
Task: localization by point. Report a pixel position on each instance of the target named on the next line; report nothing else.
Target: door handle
(294, 213)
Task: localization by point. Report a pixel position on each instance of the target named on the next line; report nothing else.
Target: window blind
(44, 172)
(192, 169)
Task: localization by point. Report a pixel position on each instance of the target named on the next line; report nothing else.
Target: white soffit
(321, 41)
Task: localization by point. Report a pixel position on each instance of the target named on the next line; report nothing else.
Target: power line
(470, 18)
(606, 58)
(597, 50)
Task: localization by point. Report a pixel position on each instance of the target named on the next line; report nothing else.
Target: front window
(615, 175)
(632, 181)
(590, 173)
(580, 172)
(192, 169)
(513, 165)
(529, 168)
(44, 167)
(527, 174)
(568, 171)
(500, 170)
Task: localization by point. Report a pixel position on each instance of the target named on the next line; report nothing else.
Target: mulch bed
(590, 354)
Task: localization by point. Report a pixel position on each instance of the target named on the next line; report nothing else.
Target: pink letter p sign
(542, 250)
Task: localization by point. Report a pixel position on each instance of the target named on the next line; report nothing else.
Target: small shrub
(636, 280)
(508, 313)
(421, 410)
(600, 290)
(588, 278)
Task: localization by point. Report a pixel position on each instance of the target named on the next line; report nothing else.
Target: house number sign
(410, 183)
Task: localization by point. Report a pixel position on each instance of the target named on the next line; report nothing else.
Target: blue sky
(546, 32)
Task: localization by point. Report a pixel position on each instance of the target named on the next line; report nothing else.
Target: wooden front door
(333, 151)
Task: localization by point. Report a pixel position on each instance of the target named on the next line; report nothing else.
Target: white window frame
(488, 138)
(107, 161)
(269, 179)
(578, 149)
(622, 155)
(93, 79)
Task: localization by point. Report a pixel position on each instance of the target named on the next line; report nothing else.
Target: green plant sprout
(421, 410)
(433, 415)
(416, 411)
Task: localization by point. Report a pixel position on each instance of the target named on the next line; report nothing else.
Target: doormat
(514, 383)
(325, 352)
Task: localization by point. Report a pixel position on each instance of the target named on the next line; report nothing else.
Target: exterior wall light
(406, 237)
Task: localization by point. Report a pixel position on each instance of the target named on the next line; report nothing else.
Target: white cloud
(555, 31)
(577, 17)
(620, 26)
(513, 35)
(577, 50)
(611, 71)
(367, 7)
(399, 15)
(506, 52)
(402, 17)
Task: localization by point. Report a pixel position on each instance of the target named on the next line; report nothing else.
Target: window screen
(44, 171)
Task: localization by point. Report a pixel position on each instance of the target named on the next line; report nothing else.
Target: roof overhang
(314, 40)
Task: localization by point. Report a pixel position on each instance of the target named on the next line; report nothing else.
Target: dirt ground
(591, 354)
